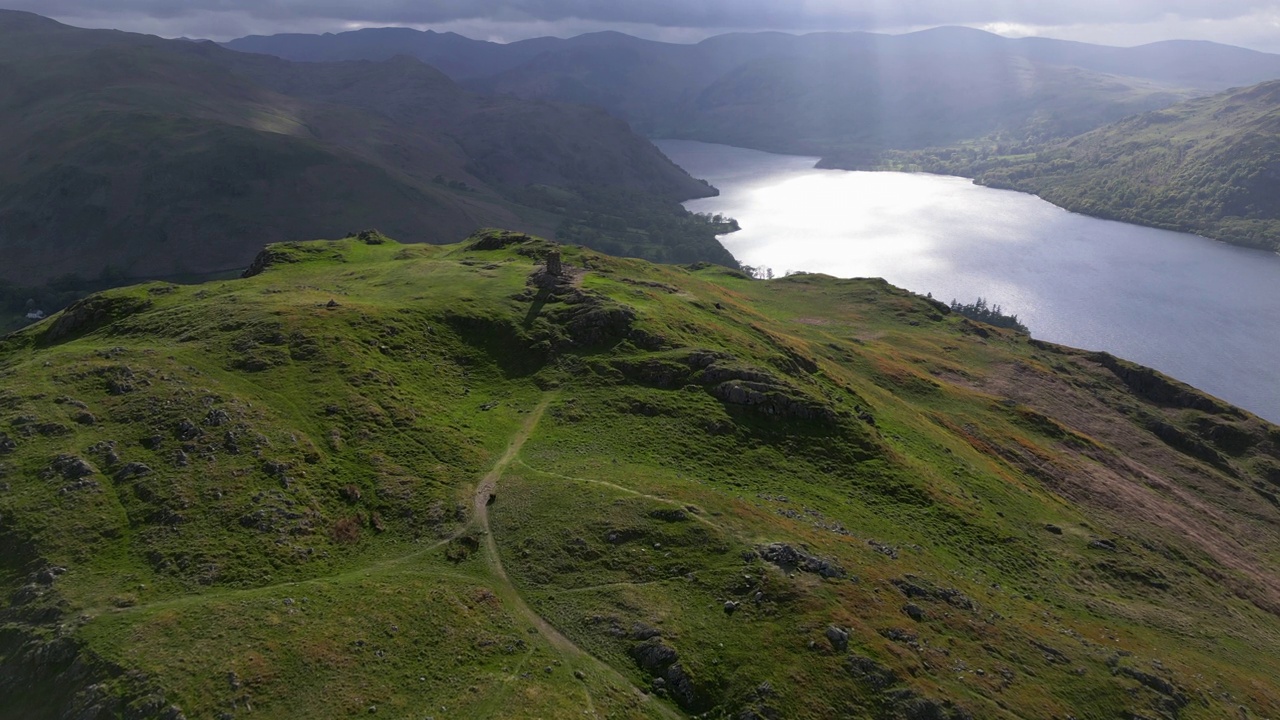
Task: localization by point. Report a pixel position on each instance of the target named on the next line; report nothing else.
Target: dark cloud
(214, 18)
(675, 13)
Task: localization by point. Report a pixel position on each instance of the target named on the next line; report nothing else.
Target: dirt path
(486, 489)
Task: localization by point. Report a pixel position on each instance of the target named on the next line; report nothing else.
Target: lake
(1204, 312)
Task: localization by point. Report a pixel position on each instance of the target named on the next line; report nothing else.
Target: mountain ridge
(562, 69)
(129, 155)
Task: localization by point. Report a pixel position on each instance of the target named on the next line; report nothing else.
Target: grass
(316, 437)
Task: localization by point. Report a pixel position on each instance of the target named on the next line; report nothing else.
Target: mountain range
(1027, 114)
(821, 93)
(132, 156)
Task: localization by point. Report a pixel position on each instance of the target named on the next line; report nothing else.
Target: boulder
(71, 467)
(789, 558)
(838, 637)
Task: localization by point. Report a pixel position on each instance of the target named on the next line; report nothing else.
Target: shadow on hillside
(535, 309)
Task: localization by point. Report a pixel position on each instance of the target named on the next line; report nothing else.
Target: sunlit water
(1204, 312)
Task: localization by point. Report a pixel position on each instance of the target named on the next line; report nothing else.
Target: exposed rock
(49, 575)
(730, 607)
(7, 444)
(217, 417)
(186, 430)
(663, 663)
(107, 451)
(496, 239)
(769, 399)
(913, 611)
(900, 635)
(1187, 443)
(1156, 683)
(78, 485)
(1158, 388)
(917, 588)
(29, 425)
(85, 418)
(909, 705)
(131, 471)
(71, 467)
(1053, 529)
(640, 631)
(789, 558)
(372, 237)
(1108, 545)
(728, 382)
(871, 673)
(838, 637)
(1051, 654)
(90, 314)
(680, 686)
(884, 549)
(654, 657)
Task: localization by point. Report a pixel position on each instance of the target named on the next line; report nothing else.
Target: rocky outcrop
(791, 559)
(90, 314)
(916, 588)
(1158, 388)
(728, 381)
(491, 239)
(662, 663)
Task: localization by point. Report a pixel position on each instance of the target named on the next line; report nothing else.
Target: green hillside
(1209, 166)
(436, 481)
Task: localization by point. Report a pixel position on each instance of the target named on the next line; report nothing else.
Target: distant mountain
(457, 56)
(1209, 166)
(134, 156)
(826, 93)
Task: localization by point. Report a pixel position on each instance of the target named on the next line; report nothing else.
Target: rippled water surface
(1204, 312)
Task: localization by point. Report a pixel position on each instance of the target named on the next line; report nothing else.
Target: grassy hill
(126, 155)
(433, 481)
(1210, 166)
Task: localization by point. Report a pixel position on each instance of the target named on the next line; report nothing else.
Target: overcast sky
(1250, 23)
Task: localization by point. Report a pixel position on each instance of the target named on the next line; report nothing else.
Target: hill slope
(146, 158)
(411, 480)
(1210, 166)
